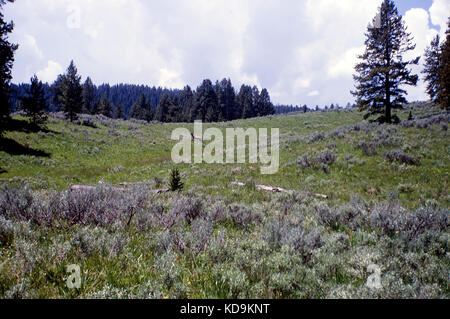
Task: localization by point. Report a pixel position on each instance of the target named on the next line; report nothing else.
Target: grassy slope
(240, 259)
(128, 152)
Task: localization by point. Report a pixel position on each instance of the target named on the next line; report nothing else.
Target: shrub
(305, 161)
(243, 217)
(399, 156)
(368, 149)
(326, 158)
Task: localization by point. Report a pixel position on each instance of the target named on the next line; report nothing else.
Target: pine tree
(444, 72)
(267, 107)
(89, 96)
(175, 183)
(118, 112)
(382, 73)
(34, 103)
(245, 101)
(56, 90)
(105, 107)
(226, 98)
(257, 105)
(186, 103)
(205, 102)
(71, 97)
(175, 112)
(431, 69)
(162, 110)
(6, 63)
(142, 110)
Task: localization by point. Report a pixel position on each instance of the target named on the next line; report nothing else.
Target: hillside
(388, 199)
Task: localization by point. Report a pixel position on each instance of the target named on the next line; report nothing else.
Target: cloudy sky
(303, 51)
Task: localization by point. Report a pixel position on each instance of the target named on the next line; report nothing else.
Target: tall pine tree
(119, 113)
(162, 110)
(6, 63)
(105, 107)
(186, 103)
(227, 100)
(444, 72)
(245, 101)
(431, 69)
(89, 96)
(71, 91)
(34, 104)
(205, 102)
(142, 110)
(382, 74)
(266, 107)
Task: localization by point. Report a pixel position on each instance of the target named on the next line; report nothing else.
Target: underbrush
(186, 245)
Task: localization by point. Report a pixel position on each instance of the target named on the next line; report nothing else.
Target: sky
(302, 51)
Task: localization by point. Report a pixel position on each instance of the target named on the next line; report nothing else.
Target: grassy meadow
(388, 199)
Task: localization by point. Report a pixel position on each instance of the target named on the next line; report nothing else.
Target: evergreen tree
(431, 70)
(175, 112)
(186, 103)
(257, 105)
(205, 103)
(267, 107)
(382, 73)
(89, 96)
(162, 111)
(105, 107)
(444, 72)
(175, 183)
(245, 101)
(226, 98)
(118, 112)
(6, 63)
(71, 96)
(142, 110)
(56, 90)
(34, 103)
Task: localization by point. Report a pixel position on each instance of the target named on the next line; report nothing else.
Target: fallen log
(93, 188)
(160, 191)
(132, 184)
(280, 190)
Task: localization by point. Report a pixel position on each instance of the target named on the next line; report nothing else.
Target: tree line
(381, 77)
(209, 102)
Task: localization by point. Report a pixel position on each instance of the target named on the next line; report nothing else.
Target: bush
(305, 161)
(326, 158)
(399, 156)
(368, 149)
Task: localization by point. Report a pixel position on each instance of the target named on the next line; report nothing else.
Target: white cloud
(288, 48)
(439, 13)
(30, 45)
(313, 93)
(417, 21)
(51, 72)
(344, 65)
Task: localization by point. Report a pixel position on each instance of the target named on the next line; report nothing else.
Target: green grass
(81, 155)
(239, 260)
